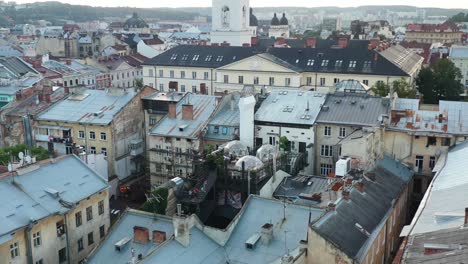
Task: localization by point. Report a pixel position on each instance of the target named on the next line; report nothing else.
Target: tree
(284, 143)
(380, 89)
(440, 82)
(139, 84)
(403, 89)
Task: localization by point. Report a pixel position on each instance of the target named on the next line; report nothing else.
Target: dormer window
(220, 58)
(209, 57)
(185, 57)
(195, 58)
(174, 57)
(310, 62)
(325, 63)
(352, 64)
(338, 63)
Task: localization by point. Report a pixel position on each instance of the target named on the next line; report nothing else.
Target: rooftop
(96, 107)
(14, 67)
(353, 109)
(368, 209)
(458, 52)
(44, 189)
(203, 107)
(290, 107)
(228, 115)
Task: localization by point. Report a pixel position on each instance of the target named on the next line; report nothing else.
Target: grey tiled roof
(353, 109)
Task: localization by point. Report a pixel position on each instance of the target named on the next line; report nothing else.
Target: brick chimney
(48, 98)
(68, 62)
(172, 111)
(311, 42)
(66, 90)
(280, 41)
(331, 206)
(140, 235)
(359, 186)
(159, 236)
(345, 194)
(40, 96)
(225, 44)
(19, 96)
(343, 43)
(254, 41)
(466, 216)
(187, 112)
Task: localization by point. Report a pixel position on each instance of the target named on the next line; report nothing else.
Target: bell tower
(230, 22)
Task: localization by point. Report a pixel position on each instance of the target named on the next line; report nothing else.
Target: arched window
(225, 16)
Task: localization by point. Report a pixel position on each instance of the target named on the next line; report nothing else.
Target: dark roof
(135, 22)
(284, 21)
(368, 62)
(275, 21)
(452, 241)
(202, 56)
(353, 109)
(16, 65)
(368, 209)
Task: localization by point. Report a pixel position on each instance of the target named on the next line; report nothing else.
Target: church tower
(231, 22)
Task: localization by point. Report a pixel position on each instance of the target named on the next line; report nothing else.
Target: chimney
(159, 236)
(68, 62)
(187, 112)
(345, 194)
(48, 98)
(331, 206)
(182, 224)
(280, 41)
(225, 44)
(246, 45)
(343, 43)
(36, 63)
(311, 42)
(359, 186)
(172, 111)
(376, 57)
(66, 90)
(40, 97)
(246, 127)
(266, 235)
(466, 216)
(140, 235)
(19, 96)
(254, 41)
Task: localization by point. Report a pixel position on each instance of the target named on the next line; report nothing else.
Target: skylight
(209, 57)
(174, 57)
(325, 63)
(310, 62)
(352, 64)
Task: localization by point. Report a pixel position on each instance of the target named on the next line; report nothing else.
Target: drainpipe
(27, 238)
(212, 90)
(155, 79)
(67, 237)
(316, 75)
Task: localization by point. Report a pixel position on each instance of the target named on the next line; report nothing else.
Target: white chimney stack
(247, 112)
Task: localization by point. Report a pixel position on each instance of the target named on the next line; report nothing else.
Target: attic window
(185, 57)
(338, 63)
(325, 63)
(174, 57)
(352, 64)
(216, 130)
(234, 57)
(367, 65)
(310, 62)
(220, 58)
(209, 57)
(195, 58)
(297, 61)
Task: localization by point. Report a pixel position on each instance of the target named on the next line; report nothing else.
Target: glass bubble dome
(236, 149)
(266, 152)
(251, 163)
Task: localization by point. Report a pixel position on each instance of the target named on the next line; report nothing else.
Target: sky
(268, 3)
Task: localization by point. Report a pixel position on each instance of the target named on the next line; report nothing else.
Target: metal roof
(95, 107)
(458, 52)
(444, 204)
(290, 107)
(367, 210)
(353, 109)
(203, 107)
(31, 196)
(227, 117)
(457, 116)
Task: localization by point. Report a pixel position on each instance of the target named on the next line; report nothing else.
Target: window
(102, 231)
(92, 150)
(432, 162)
(103, 136)
(226, 78)
(208, 58)
(182, 88)
(272, 81)
(326, 151)
(325, 169)
(327, 131)
(310, 62)
(325, 63)
(80, 244)
(342, 132)
(367, 65)
(92, 135)
(62, 255)
(104, 151)
(431, 141)
(419, 163)
(366, 82)
(150, 73)
(225, 130)
(78, 219)
(174, 57)
(90, 238)
(256, 80)
(336, 80)
(272, 141)
(161, 73)
(352, 64)
(161, 87)
(89, 213)
(241, 79)
(287, 81)
(101, 207)
(81, 134)
(37, 239)
(322, 81)
(309, 81)
(171, 74)
(60, 228)
(220, 58)
(39, 261)
(338, 63)
(206, 75)
(446, 142)
(182, 74)
(194, 75)
(194, 89)
(196, 57)
(216, 130)
(14, 250)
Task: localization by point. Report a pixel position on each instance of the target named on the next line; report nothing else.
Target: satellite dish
(28, 159)
(21, 155)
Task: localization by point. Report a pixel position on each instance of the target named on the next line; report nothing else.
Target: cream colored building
(58, 212)
(429, 33)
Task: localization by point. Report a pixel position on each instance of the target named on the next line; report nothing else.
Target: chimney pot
(359, 186)
(48, 98)
(41, 97)
(331, 206)
(266, 233)
(466, 216)
(172, 111)
(159, 236)
(345, 195)
(140, 234)
(311, 42)
(187, 112)
(343, 42)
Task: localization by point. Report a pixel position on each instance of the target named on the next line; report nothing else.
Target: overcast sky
(261, 3)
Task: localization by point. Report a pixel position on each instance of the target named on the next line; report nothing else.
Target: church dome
(253, 19)
(135, 22)
(275, 21)
(284, 21)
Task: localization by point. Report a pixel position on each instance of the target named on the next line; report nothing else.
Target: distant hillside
(57, 13)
